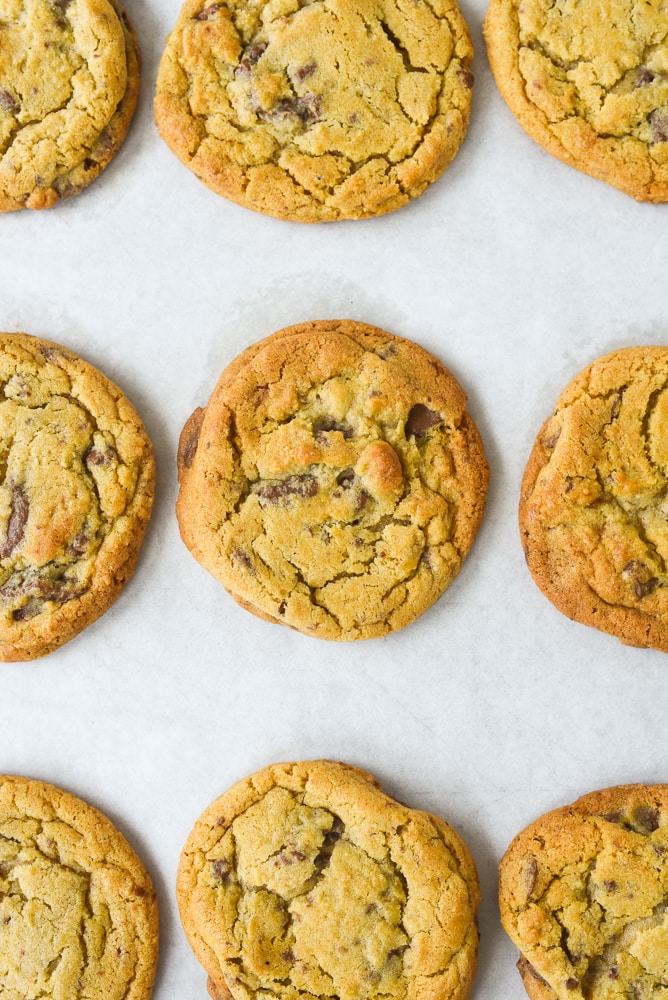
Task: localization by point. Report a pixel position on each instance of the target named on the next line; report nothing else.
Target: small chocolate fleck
(208, 12)
(549, 442)
(571, 984)
(139, 891)
(18, 516)
(614, 972)
(306, 108)
(282, 607)
(288, 956)
(245, 560)
(386, 352)
(420, 419)
(644, 77)
(610, 885)
(466, 76)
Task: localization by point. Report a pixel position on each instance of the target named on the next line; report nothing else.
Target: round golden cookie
(334, 109)
(77, 490)
(69, 81)
(593, 500)
(335, 481)
(78, 914)
(307, 881)
(583, 893)
(588, 81)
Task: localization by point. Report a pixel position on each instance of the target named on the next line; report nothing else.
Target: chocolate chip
(616, 404)
(466, 76)
(549, 442)
(8, 102)
(78, 545)
(288, 956)
(530, 875)
(420, 419)
(645, 819)
(222, 870)
(17, 520)
(658, 119)
(327, 424)
(94, 457)
(639, 573)
(614, 973)
(306, 108)
(248, 59)
(208, 12)
(190, 438)
(571, 984)
(644, 77)
(138, 891)
(387, 352)
(304, 72)
(28, 611)
(345, 479)
(362, 499)
(300, 486)
(49, 353)
(610, 885)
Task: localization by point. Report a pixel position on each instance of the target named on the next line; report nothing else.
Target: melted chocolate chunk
(420, 419)
(94, 457)
(658, 119)
(306, 108)
(222, 870)
(327, 424)
(643, 583)
(304, 72)
(188, 448)
(248, 59)
(17, 520)
(644, 77)
(300, 486)
(466, 76)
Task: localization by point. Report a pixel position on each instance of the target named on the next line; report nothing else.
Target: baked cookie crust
(582, 895)
(306, 880)
(70, 82)
(77, 489)
(312, 112)
(78, 914)
(593, 509)
(335, 481)
(589, 83)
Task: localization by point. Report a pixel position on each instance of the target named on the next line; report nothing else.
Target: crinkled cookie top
(320, 110)
(335, 481)
(69, 78)
(583, 894)
(78, 915)
(76, 491)
(589, 81)
(593, 505)
(306, 880)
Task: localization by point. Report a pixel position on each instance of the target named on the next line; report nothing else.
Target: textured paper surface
(517, 272)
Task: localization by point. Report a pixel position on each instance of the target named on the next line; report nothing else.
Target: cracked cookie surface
(588, 81)
(77, 482)
(78, 915)
(69, 81)
(335, 481)
(593, 503)
(584, 896)
(316, 110)
(306, 880)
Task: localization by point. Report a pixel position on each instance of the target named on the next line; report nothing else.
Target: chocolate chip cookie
(583, 896)
(331, 109)
(76, 494)
(335, 481)
(589, 84)
(593, 503)
(307, 881)
(78, 915)
(69, 81)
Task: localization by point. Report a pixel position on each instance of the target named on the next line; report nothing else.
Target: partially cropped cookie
(77, 490)
(319, 111)
(78, 915)
(307, 881)
(589, 83)
(593, 504)
(583, 896)
(335, 481)
(69, 81)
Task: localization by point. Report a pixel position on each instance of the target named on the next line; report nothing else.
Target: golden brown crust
(77, 493)
(582, 894)
(78, 913)
(590, 87)
(274, 865)
(335, 481)
(320, 111)
(70, 82)
(592, 500)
